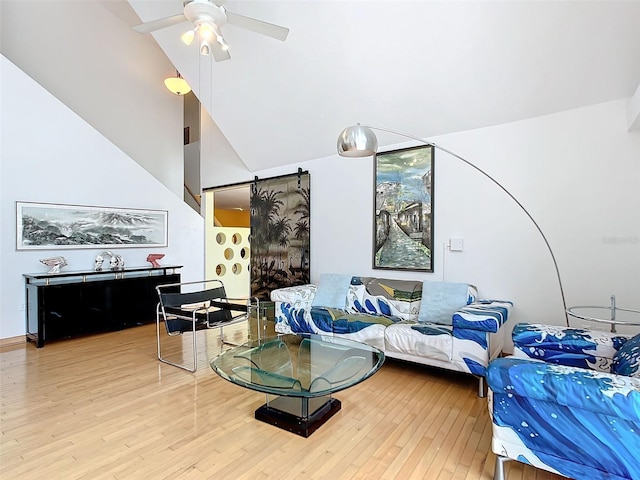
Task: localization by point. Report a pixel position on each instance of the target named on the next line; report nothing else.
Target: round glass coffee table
(299, 374)
(611, 315)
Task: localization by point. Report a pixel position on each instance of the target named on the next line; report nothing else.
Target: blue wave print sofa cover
(575, 419)
(389, 314)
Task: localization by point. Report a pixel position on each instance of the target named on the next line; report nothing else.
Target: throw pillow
(626, 361)
(332, 290)
(440, 300)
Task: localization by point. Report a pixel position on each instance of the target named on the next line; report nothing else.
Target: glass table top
(606, 314)
(299, 365)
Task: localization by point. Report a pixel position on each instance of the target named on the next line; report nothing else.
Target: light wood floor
(103, 407)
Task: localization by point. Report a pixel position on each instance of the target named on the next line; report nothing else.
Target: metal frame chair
(186, 308)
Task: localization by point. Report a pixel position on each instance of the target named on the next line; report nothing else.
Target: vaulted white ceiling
(421, 67)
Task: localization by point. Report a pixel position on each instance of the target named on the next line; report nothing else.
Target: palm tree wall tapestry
(280, 239)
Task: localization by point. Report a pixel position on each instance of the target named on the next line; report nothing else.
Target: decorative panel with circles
(228, 258)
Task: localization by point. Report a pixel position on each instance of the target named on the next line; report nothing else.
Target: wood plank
(103, 407)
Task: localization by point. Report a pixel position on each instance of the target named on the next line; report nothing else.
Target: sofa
(568, 402)
(440, 324)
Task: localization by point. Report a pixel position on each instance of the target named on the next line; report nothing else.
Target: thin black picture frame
(403, 209)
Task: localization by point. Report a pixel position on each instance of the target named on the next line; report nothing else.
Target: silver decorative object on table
(56, 263)
(116, 262)
(98, 263)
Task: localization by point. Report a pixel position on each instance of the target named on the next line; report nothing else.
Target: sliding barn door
(280, 239)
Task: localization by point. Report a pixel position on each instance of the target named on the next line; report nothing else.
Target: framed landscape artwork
(47, 226)
(403, 231)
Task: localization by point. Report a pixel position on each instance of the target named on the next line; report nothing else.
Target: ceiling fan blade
(218, 54)
(154, 25)
(258, 26)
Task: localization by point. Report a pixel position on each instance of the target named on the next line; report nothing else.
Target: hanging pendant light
(177, 84)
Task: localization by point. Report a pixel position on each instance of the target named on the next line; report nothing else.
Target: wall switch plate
(456, 244)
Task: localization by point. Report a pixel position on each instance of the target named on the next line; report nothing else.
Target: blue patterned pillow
(626, 361)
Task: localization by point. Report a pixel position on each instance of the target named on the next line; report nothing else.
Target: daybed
(434, 323)
(581, 421)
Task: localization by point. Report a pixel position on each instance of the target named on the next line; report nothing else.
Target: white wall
(86, 54)
(576, 172)
(49, 154)
(220, 164)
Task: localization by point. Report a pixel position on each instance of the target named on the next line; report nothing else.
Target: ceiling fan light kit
(188, 36)
(208, 17)
(205, 48)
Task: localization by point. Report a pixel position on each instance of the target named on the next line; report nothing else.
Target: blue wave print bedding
(581, 423)
(576, 347)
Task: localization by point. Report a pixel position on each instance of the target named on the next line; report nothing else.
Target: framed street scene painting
(403, 231)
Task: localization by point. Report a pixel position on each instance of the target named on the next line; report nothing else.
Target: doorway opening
(227, 242)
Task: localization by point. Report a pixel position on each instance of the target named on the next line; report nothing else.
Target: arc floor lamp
(360, 141)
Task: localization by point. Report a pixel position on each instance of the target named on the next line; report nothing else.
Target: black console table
(70, 304)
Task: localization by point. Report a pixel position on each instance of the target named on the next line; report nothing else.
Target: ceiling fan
(208, 17)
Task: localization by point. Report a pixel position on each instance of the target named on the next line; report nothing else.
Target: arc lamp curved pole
(360, 141)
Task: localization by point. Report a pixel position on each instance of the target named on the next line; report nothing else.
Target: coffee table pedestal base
(288, 413)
